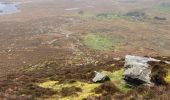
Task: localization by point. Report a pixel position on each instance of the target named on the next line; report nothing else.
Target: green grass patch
(99, 42)
(117, 78)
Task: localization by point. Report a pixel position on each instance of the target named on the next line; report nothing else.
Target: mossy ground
(86, 89)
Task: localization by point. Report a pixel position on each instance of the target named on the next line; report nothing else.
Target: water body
(8, 8)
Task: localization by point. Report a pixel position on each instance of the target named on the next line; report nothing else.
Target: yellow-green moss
(167, 78)
(48, 84)
(117, 77)
(86, 89)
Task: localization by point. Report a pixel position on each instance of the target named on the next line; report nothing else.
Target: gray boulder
(100, 77)
(137, 70)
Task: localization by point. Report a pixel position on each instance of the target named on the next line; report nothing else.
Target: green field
(98, 42)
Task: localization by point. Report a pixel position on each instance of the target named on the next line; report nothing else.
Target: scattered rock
(136, 15)
(100, 77)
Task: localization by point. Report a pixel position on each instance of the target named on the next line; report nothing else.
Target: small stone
(100, 77)
(117, 59)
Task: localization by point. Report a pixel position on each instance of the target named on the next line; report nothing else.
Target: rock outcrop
(137, 70)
